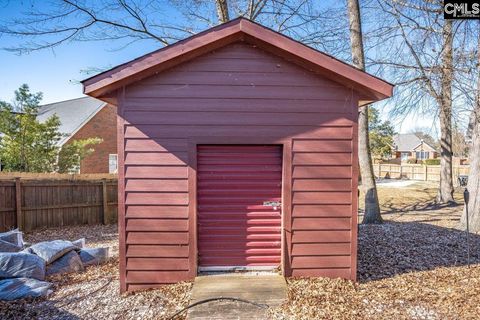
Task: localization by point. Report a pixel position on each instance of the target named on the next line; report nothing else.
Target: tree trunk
(222, 11)
(474, 175)
(445, 191)
(372, 209)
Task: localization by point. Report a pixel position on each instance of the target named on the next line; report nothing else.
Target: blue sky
(57, 72)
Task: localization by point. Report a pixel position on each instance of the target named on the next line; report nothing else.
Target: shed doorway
(239, 192)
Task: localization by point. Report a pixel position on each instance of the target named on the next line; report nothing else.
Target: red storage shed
(237, 150)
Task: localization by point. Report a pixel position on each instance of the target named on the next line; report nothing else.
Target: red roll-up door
(238, 205)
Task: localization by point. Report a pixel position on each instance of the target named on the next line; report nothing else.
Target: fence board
(415, 172)
(46, 203)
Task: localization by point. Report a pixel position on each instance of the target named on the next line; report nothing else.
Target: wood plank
(240, 118)
(320, 236)
(18, 205)
(323, 210)
(302, 78)
(320, 249)
(324, 172)
(143, 237)
(157, 225)
(62, 206)
(157, 251)
(321, 262)
(122, 246)
(151, 277)
(243, 131)
(156, 158)
(322, 145)
(156, 145)
(158, 198)
(336, 223)
(180, 212)
(322, 198)
(156, 185)
(237, 92)
(156, 172)
(341, 106)
(322, 159)
(157, 264)
(322, 184)
(208, 63)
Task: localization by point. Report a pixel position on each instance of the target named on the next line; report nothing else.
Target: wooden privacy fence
(40, 203)
(415, 171)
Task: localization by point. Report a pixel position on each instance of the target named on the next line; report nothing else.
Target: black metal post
(466, 196)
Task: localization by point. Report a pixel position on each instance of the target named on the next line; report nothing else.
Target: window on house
(404, 156)
(422, 155)
(112, 163)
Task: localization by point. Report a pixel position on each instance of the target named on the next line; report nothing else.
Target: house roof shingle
(406, 141)
(73, 114)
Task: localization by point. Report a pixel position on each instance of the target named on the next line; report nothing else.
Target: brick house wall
(102, 125)
(432, 153)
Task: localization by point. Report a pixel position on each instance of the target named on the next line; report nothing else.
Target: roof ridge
(48, 104)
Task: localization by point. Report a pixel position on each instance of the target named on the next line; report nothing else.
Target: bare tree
(372, 208)
(125, 22)
(474, 175)
(444, 98)
(222, 11)
(421, 62)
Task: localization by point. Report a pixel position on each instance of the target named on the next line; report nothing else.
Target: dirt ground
(412, 267)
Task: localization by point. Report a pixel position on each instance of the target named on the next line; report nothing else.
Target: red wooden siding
(233, 184)
(322, 206)
(237, 95)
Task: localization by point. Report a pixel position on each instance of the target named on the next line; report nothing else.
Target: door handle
(274, 204)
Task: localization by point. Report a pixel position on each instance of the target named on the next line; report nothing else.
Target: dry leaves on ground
(444, 293)
(412, 267)
(94, 294)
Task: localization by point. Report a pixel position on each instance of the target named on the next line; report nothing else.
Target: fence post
(18, 203)
(105, 201)
(426, 173)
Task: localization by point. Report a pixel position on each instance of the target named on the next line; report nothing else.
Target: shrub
(412, 161)
(432, 162)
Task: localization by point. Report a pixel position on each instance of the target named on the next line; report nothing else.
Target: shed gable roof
(370, 87)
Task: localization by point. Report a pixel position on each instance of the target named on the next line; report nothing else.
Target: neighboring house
(410, 146)
(83, 118)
